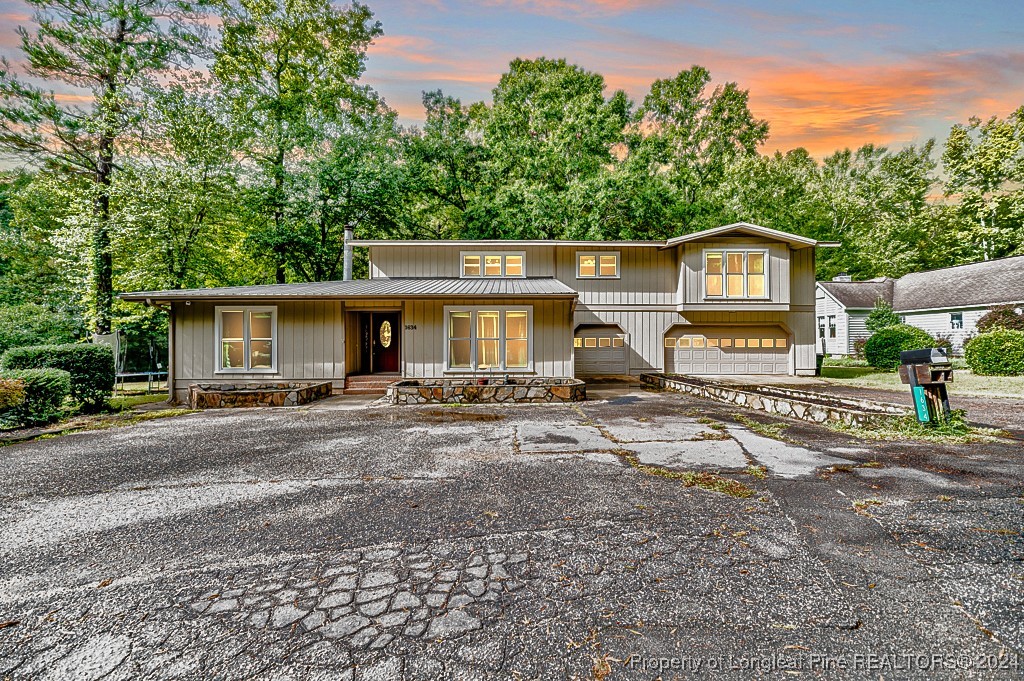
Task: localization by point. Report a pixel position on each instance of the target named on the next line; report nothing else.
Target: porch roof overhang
(404, 288)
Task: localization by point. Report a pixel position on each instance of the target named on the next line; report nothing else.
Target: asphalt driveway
(375, 542)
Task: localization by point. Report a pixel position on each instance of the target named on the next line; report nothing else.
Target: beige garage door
(727, 350)
(600, 350)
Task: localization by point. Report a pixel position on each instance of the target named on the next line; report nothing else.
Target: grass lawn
(964, 382)
(121, 403)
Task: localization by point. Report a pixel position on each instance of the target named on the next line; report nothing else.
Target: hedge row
(91, 368)
(996, 353)
(43, 392)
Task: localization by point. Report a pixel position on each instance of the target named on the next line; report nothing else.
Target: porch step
(368, 385)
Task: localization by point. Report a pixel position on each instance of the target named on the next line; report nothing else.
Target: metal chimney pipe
(347, 276)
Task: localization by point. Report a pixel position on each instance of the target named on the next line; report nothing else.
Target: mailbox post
(927, 372)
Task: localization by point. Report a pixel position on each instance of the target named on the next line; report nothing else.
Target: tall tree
(984, 164)
(549, 133)
(105, 49)
(289, 70)
(691, 135)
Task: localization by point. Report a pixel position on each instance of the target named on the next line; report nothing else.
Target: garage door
(600, 350)
(727, 350)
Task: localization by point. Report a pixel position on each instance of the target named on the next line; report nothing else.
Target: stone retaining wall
(222, 395)
(496, 391)
(798, 404)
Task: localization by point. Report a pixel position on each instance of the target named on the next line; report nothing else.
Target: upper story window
(956, 320)
(493, 264)
(735, 274)
(246, 339)
(600, 265)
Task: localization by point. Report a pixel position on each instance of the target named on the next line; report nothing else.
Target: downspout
(347, 268)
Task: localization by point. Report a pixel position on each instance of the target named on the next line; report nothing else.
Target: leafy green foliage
(12, 393)
(33, 324)
(90, 366)
(881, 317)
(1002, 317)
(44, 393)
(996, 353)
(882, 350)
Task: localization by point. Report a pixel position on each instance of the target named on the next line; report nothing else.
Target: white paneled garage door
(600, 350)
(727, 350)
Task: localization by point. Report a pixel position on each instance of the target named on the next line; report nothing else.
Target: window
(597, 265)
(831, 326)
(489, 339)
(735, 274)
(493, 264)
(246, 339)
(821, 327)
(956, 320)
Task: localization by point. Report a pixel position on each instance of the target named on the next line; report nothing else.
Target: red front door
(384, 340)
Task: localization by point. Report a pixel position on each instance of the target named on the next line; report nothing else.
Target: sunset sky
(825, 75)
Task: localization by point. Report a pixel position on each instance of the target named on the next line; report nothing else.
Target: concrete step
(364, 391)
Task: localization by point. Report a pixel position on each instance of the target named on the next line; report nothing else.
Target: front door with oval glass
(381, 337)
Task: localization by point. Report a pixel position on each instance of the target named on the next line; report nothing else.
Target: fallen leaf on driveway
(9, 623)
(105, 582)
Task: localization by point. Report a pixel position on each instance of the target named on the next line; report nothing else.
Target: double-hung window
(493, 265)
(831, 326)
(246, 339)
(496, 338)
(821, 327)
(735, 274)
(956, 320)
(599, 265)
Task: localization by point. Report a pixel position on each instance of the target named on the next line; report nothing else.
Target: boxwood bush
(91, 368)
(44, 392)
(882, 350)
(996, 353)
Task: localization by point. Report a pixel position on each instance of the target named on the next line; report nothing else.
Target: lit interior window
(471, 266)
(590, 342)
(617, 342)
(588, 266)
(513, 265)
(609, 265)
(670, 342)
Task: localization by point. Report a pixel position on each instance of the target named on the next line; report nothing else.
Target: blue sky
(825, 74)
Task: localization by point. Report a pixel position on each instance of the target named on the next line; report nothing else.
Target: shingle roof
(373, 288)
(859, 295)
(991, 282)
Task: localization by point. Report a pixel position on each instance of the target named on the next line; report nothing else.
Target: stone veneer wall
(222, 395)
(468, 391)
(798, 404)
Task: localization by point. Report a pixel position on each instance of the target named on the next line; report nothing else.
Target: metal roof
(478, 244)
(373, 288)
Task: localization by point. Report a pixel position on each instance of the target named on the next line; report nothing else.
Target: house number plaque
(385, 334)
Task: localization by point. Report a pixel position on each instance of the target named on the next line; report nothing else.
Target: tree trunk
(103, 261)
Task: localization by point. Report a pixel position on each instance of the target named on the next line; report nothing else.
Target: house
(946, 303)
(737, 299)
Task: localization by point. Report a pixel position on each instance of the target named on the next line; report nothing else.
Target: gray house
(947, 302)
(737, 299)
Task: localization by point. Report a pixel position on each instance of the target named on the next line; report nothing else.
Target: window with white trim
(246, 338)
(493, 338)
(956, 320)
(736, 274)
(478, 264)
(597, 265)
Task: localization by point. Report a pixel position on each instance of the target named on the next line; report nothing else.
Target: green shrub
(44, 393)
(91, 368)
(1002, 317)
(997, 353)
(881, 317)
(883, 348)
(33, 324)
(12, 393)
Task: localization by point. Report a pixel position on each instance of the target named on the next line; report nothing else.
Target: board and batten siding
(310, 344)
(391, 262)
(423, 348)
(646, 276)
(691, 272)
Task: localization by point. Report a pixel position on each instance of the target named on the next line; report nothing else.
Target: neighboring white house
(947, 302)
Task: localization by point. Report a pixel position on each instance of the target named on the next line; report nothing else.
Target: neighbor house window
(831, 326)
(956, 320)
(597, 265)
(821, 327)
(246, 338)
(735, 274)
(493, 265)
(495, 338)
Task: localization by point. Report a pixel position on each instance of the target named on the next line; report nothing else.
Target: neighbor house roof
(372, 288)
(859, 295)
(749, 229)
(991, 282)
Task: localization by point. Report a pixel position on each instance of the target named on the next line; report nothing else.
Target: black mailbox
(927, 371)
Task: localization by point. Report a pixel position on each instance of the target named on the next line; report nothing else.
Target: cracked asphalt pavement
(533, 542)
